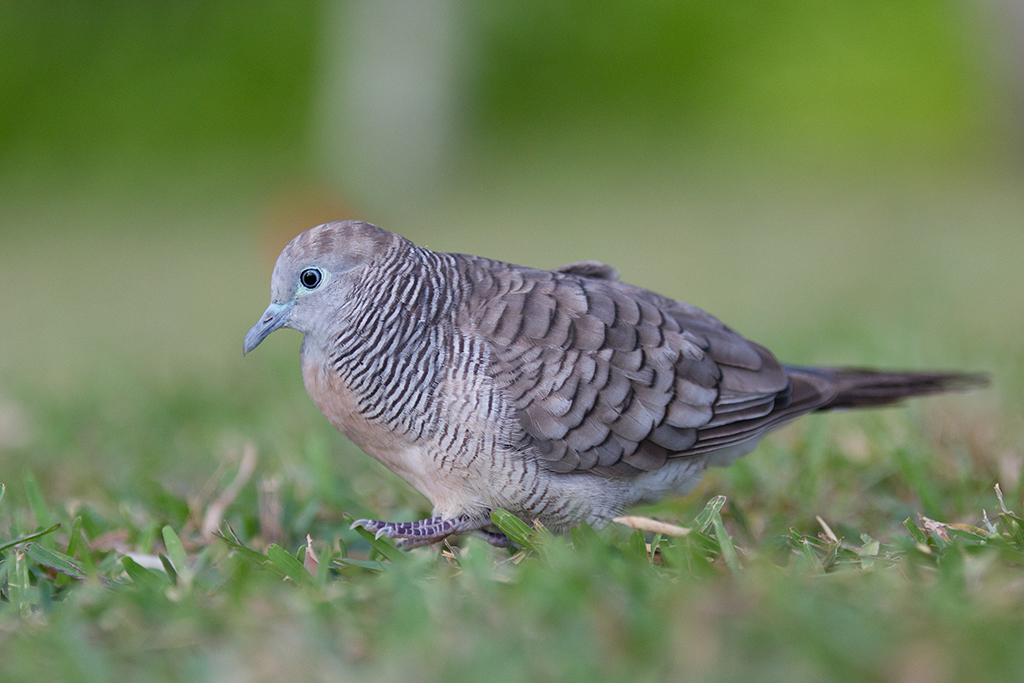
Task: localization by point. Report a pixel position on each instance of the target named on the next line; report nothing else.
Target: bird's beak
(271, 319)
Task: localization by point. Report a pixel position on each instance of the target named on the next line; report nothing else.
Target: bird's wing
(612, 378)
(591, 269)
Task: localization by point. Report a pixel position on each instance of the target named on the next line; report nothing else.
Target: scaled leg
(424, 531)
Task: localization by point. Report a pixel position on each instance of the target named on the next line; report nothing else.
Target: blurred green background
(841, 181)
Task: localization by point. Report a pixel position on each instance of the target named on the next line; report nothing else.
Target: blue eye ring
(311, 278)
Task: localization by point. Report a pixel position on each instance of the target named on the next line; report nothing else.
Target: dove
(563, 396)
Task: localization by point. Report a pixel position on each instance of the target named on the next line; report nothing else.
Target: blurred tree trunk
(389, 103)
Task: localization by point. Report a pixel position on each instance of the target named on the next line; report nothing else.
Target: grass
(203, 504)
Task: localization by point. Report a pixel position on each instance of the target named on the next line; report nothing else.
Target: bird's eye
(311, 278)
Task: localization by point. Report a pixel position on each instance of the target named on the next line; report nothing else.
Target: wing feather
(614, 379)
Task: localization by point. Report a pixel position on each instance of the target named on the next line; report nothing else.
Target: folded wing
(611, 378)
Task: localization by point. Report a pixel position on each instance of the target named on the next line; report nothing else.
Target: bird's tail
(863, 388)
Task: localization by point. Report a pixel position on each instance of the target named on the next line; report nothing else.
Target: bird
(563, 396)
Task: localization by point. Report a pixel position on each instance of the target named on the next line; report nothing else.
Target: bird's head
(314, 277)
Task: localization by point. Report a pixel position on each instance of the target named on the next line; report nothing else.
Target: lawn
(172, 511)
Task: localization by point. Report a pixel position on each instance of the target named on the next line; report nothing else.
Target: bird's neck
(398, 328)
(395, 305)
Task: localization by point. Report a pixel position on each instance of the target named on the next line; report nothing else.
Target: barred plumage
(562, 396)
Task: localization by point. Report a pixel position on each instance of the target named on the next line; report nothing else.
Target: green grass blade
(690, 554)
(2, 490)
(971, 537)
(323, 567)
(55, 560)
(870, 549)
(703, 521)
(169, 569)
(370, 565)
(1009, 522)
(176, 551)
(831, 557)
(140, 575)
(637, 546)
(383, 546)
(515, 528)
(655, 542)
(583, 536)
(246, 552)
(809, 559)
(19, 589)
(732, 560)
(75, 537)
(38, 505)
(30, 537)
(290, 566)
(915, 531)
(78, 548)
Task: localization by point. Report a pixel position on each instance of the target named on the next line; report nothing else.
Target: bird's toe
(371, 525)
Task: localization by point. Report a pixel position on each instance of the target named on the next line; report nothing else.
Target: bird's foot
(433, 530)
(495, 538)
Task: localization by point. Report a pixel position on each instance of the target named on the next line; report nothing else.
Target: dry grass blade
(270, 510)
(309, 560)
(652, 525)
(828, 530)
(215, 512)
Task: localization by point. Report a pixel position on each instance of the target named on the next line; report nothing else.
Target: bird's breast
(340, 406)
(411, 459)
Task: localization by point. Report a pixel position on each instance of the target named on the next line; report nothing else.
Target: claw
(372, 525)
